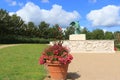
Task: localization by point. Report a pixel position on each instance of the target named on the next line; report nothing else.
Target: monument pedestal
(77, 37)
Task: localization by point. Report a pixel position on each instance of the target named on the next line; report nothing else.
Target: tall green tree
(43, 29)
(89, 36)
(9, 24)
(31, 29)
(117, 37)
(69, 30)
(16, 24)
(4, 22)
(109, 35)
(98, 34)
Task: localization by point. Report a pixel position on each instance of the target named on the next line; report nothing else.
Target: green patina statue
(76, 27)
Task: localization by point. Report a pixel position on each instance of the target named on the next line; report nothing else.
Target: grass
(22, 62)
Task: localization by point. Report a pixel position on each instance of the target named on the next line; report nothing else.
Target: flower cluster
(57, 52)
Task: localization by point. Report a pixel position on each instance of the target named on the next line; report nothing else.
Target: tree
(43, 29)
(16, 24)
(117, 37)
(4, 22)
(56, 32)
(84, 31)
(109, 35)
(69, 30)
(98, 34)
(9, 24)
(31, 29)
(89, 35)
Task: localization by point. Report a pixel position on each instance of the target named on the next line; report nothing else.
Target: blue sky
(92, 14)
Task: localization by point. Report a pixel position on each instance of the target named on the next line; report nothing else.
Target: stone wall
(89, 46)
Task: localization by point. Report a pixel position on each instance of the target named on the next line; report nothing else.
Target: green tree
(109, 35)
(43, 29)
(56, 32)
(69, 30)
(31, 29)
(98, 34)
(84, 31)
(16, 24)
(117, 37)
(89, 36)
(4, 22)
(9, 24)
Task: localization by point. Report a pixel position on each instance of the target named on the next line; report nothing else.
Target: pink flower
(55, 52)
(70, 57)
(60, 59)
(41, 61)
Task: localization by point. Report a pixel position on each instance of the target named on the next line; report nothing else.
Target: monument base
(77, 37)
(89, 46)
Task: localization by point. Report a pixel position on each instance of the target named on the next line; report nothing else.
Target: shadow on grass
(73, 76)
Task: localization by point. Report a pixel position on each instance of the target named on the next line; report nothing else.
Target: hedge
(20, 39)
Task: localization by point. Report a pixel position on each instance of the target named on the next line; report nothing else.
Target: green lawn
(22, 62)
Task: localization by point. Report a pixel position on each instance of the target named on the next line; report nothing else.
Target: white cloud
(56, 15)
(45, 1)
(107, 16)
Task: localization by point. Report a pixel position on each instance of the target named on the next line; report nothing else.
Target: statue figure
(76, 27)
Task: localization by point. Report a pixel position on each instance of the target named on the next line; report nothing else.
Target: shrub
(12, 39)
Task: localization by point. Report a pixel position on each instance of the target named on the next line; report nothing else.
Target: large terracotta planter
(57, 71)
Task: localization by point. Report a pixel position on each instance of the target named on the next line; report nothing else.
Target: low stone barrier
(89, 46)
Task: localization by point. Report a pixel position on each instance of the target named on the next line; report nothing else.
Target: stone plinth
(77, 37)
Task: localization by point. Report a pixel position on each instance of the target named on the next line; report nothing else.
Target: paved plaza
(95, 66)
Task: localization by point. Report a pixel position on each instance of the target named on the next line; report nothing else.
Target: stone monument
(78, 44)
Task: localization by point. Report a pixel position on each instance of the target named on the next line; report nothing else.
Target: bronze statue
(76, 27)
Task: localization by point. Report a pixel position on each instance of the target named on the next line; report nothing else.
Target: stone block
(77, 37)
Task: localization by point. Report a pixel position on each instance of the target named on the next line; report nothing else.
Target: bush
(20, 39)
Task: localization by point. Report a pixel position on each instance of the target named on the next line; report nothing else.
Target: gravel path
(8, 45)
(94, 66)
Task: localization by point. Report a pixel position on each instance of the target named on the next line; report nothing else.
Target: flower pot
(57, 71)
